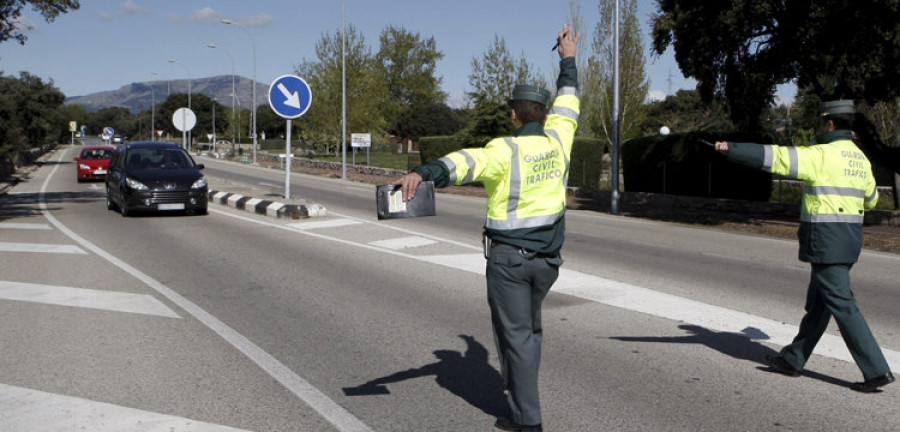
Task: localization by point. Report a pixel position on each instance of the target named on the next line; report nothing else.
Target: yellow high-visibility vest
(526, 176)
(838, 183)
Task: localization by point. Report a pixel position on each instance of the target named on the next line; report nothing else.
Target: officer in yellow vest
(525, 178)
(838, 186)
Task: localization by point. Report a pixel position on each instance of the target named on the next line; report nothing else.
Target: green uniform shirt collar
(832, 136)
(533, 128)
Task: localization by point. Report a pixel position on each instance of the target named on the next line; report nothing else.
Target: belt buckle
(527, 254)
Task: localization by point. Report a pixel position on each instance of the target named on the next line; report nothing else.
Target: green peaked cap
(836, 107)
(531, 93)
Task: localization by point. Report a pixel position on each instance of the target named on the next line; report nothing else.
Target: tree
(407, 64)
(685, 112)
(492, 81)
(425, 117)
(11, 12)
(321, 125)
(633, 85)
(739, 50)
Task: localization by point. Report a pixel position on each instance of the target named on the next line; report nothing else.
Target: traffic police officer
(838, 186)
(525, 178)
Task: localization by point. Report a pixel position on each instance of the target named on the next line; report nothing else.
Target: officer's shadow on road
(467, 375)
(742, 346)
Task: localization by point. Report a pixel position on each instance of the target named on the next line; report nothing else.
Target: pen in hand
(556, 45)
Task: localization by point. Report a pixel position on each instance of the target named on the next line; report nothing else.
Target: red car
(93, 163)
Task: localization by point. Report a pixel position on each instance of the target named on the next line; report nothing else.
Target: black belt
(526, 253)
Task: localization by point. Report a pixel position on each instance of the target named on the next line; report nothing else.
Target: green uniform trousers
(829, 294)
(516, 287)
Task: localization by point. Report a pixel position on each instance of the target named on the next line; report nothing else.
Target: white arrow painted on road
(293, 99)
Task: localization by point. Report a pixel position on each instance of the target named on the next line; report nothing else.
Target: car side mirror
(75, 159)
(200, 166)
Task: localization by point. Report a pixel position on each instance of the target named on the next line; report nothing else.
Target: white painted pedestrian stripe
(24, 226)
(403, 242)
(85, 298)
(23, 409)
(333, 223)
(639, 299)
(40, 248)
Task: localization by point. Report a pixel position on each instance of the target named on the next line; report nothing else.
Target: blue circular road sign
(290, 96)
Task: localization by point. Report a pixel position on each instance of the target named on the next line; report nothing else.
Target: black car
(155, 176)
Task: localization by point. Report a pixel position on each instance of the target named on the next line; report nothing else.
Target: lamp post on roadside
(343, 90)
(234, 128)
(190, 80)
(152, 112)
(237, 125)
(253, 85)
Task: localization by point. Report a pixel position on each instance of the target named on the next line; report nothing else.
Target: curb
(266, 207)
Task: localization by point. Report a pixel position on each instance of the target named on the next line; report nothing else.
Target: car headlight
(84, 167)
(134, 184)
(199, 184)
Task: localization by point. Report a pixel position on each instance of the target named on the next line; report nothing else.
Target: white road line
(403, 242)
(85, 298)
(330, 410)
(333, 223)
(40, 248)
(23, 409)
(638, 299)
(24, 226)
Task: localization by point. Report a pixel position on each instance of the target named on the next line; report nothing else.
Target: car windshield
(156, 158)
(96, 154)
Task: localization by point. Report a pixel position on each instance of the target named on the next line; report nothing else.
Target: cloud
(126, 9)
(22, 24)
(655, 96)
(259, 20)
(207, 15)
(129, 8)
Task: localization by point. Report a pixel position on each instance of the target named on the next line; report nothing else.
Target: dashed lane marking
(23, 409)
(24, 226)
(40, 248)
(403, 242)
(85, 298)
(333, 223)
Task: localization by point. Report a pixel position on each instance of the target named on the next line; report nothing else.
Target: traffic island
(266, 207)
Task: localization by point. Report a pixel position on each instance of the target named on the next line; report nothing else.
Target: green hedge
(435, 147)
(682, 165)
(586, 164)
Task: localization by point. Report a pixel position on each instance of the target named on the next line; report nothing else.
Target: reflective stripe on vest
(822, 218)
(793, 160)
(834, 190)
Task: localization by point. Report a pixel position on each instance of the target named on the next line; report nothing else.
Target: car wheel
(110, 205)
(124, 210)
(201, 211)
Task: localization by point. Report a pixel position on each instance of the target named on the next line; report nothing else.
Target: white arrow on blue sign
(290, 96)
(108, 131)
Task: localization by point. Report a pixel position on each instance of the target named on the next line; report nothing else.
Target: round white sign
(184, 119)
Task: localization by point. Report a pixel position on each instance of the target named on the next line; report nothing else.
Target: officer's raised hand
(567, 42)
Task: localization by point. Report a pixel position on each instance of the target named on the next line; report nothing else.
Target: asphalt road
(231, 320)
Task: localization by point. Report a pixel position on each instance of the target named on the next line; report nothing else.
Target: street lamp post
(234, 127)
(152, 112)
(190, 80)
(343, 90)
(253, 88)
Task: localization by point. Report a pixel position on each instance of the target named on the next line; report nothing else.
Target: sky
(110, 43)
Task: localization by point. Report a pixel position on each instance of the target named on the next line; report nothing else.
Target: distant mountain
(138, 96)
